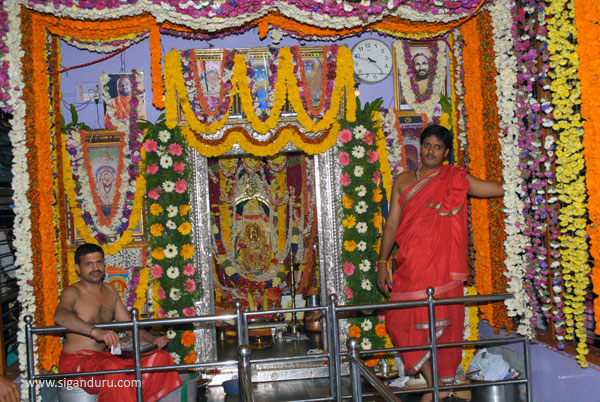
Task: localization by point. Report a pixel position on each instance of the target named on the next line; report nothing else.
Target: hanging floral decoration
(208, 137)
(422, 101)
(114, 231)
(394, 143)
(564, 63)
(169, 220)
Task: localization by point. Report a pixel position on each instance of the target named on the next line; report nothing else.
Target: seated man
(91, 301)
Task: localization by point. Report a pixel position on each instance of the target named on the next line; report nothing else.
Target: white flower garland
(515, 238)
(388, 123)
(461, 130)
(103, 47)
(20, 185)
(439, 78)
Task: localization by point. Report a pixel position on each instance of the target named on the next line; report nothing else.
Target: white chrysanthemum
(361, 227)
(172, 313)
(361, 245)
(366, 325)
(171, 333)
(358, 151)
(166, 161)
(175, 294)
(361, 191)
(175, 357)
(161, 150)
(358, 171)
(164, 135)
(168, 186)
(173, 272)
(361, 207)
(365, 265)
(366, 284)
(171, 251)
(172, 211)
(366, 344)
(171, 225)
(359, 132)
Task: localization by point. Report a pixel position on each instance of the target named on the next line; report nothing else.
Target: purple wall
(555, 375)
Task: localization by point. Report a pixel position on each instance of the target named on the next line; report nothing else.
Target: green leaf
(74, 117)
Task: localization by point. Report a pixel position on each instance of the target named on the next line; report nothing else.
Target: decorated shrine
(226, 151)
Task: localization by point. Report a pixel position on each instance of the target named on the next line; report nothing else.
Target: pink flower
(152, 168)
(175, 149)
(189, 311)
(188, 270)
(372, 156)
(190, 285)
(157, 271)
(349, 293)
(160, 313)
(161, 293)
(150, 145)
(180, 186)
(377, 177)
(155, 194)
(368, 138)
(381, 317)
(344, 158)
(179, 167)
(345, 136)
(345, 179)
(348, 268)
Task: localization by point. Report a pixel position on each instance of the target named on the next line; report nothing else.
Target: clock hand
(371, 60)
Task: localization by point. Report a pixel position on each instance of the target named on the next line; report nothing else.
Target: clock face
(372, 61)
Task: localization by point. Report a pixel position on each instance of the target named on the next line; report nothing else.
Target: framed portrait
(103, 157)
(420, 71)
(117, 91)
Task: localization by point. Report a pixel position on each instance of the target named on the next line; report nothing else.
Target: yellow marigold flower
(445, 121)
(377, 195)
(354, 331)
(347, 202)
(184, 209)
(157, 229)
(377, 220)
(349, 221)
(158, 254)
(350, 245)
(185, 228)
(155, 209)
(187, 251)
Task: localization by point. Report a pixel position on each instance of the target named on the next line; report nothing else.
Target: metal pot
(494, 393)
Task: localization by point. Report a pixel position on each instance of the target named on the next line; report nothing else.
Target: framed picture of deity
(420, 70)
(101, 177)
(117, 91)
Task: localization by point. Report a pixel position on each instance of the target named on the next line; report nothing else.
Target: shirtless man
(91, 301)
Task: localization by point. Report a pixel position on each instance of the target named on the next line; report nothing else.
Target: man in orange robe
(118, 109)
(428, 221)
(91, 301)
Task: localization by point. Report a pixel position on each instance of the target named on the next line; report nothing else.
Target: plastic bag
(488, 367)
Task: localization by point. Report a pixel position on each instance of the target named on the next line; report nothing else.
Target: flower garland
(172, 267)
(586, 17)
(4, 61)
(459, 94)
(106, 46)
(362, 222)
(421, 103)
(384, 162)
(564, 62)
(395, 145)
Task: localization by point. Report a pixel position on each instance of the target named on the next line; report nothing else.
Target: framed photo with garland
(419, 62)
(101, 157)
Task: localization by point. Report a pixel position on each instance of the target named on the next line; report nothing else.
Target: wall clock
(372, 61)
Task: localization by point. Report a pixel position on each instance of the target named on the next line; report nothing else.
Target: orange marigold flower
(350, 245)
(371, 362)
(380, 330)
(157, 229)
(184, 209)
(185, 228)
(377, 195)
(187, 251)
(354, 331)
(377, 220)
(188, 338)
(156, 209)
(349, 221)
(347, 202)
(191, 358)
(158, 254)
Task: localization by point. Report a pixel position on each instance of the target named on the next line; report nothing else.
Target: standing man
(428, 221)
(91, 301)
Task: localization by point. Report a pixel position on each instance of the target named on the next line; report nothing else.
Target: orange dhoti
(432, 240)
(119, 387)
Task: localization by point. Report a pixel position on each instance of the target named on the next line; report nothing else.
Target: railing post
(136, 355)
(335, 347)
(245, 373)
(432, 332)
(527, 362)
(353, 346)
(239, 324)
(30, 362)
